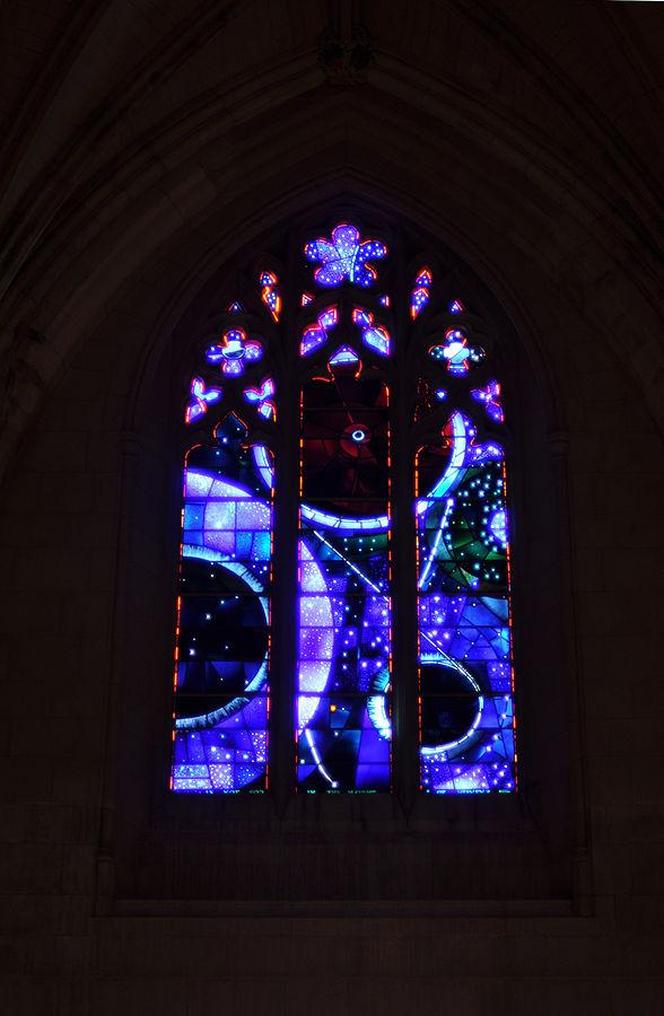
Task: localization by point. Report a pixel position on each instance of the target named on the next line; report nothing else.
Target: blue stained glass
(456, 353)
(342, 708)
(466, 714)
(263, 398)
(375, 337)
(234, 352)
(489, 396)
(270, 295)
(223, 635)
(344, 635)
(200, 397)
(228, 755)
(315, 335)
(344, 355)
(421, 292)
(345, 257)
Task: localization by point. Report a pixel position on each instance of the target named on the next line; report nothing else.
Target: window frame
(521, 818)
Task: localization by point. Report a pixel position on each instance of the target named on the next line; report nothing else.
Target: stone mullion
(404, 563)
(285, 565)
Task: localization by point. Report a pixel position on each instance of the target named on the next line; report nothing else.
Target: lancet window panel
(344, 598)
(466, 672)
(344, 311)
(222, 669)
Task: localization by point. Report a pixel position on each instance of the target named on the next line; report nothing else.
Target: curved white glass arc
(226, 540)
(377, 523)
(466, 719)
(345, 744)
(457, 461)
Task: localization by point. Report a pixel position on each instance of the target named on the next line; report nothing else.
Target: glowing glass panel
(344, 637)
(200, 396)
(465, 644)
(315, 335)
(235, 352)
(344, 257)
(220, 735)
(420, 292)
(263, 398)
(270, 294)
(342, 708)
(375, 337)
(456, 352)
(344, 355)
(489, 396)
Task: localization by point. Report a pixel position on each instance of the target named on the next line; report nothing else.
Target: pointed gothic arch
(349, 314)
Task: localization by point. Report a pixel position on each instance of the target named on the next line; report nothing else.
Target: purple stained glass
(344, 355)
(345, 257)
(456, 353)
(342, 615)
(490, 398)
(316, 334)
(421, 292)
(342, 716)
(262, 398)
(234, 352)
(375, 337)
(200, 397)
(465, 641)
(270, 294)
(220, 736)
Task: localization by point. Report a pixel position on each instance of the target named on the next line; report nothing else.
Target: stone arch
(145, 138)
(508, 172)
(150, 463)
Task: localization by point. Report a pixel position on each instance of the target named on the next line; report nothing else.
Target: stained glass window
(222, 656)
(348, 320)
(343, 726)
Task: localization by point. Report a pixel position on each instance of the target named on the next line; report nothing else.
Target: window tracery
(347, 335)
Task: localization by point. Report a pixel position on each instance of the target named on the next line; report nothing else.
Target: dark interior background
(151, 149)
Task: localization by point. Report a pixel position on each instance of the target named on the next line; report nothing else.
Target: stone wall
(148, 151)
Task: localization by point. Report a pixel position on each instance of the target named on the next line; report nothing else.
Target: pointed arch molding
(542, 830)
(490, 181)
